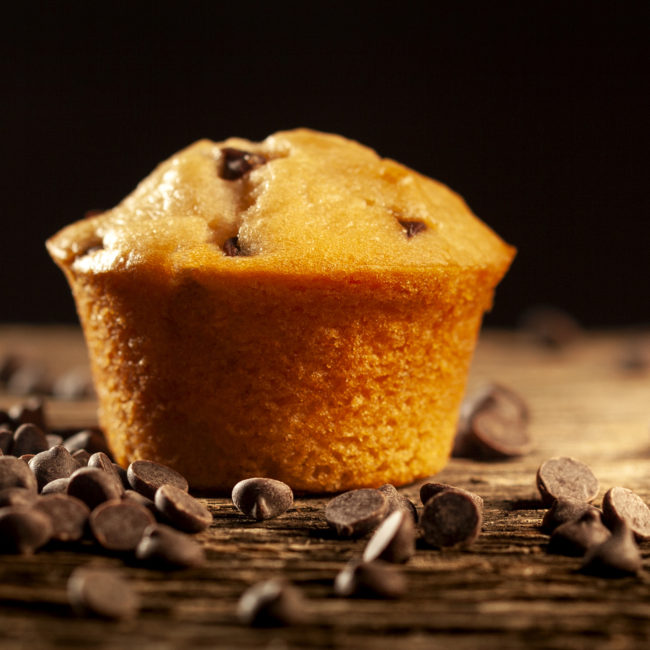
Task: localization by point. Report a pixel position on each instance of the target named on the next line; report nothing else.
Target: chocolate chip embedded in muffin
(237, 163)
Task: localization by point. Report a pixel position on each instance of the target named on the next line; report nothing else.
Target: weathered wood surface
(503, 592)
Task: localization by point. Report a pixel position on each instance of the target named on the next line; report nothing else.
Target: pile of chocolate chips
(69, 492)
(605, 539)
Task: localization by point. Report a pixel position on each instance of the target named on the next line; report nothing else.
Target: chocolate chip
(15, 473)
(575, 537)
(616, 557)
(103, 593)
(623, 505)
(236, 162)
(374, 579)
(29, 439)
(132, 495)
(90, 440)
(262, 498)
(93, 486)
(181, 509)
(6, 440)
(412, 228)
(101, 461)
(357, 512)
(493, 425)
(5, 419)
(82, 457)
(165, 547)
(119, 525)
(57, 486)
(550, 326)
(428, 490)
(397, 501)
(146, 476)
(29, 379)
(394, 539)
(75, 384)
(231, 247)
(54, 463)
(568, 478)
(271, 603)
(17, 496)
(23, 529)
(53, 439)
(562, 511)
(26, 458)
(68, 515)
(451, 517)
(120, 472)
(31, 411)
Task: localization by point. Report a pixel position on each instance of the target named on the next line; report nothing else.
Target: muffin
(297, 308)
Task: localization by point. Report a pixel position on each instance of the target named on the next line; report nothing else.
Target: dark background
(535, 112)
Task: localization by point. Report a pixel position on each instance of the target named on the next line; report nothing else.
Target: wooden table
(587, 401)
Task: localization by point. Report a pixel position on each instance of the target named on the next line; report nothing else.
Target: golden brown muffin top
(298, 202)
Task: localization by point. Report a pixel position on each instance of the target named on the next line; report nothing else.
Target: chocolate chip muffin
(297, 308)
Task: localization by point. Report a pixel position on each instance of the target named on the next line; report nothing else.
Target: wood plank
(503, 592)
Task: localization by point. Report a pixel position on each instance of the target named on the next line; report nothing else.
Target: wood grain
(504, 592)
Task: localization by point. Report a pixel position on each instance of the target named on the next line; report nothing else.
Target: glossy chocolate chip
(16, 473)
(623, 505)
(93, 486)
(374, 579)
(101, 461)
(142, 500)
(181, 509)
(57, 486)
(616, 557)
(54, 463)
(81, 456)
(451, 518)
(262, 498)
(562, 511)
(103, 593)
(393, 540)
(68, 515)
(17, 496)
(164, 547)
(29, 439)
(428, 490)
(357, 512)
(30, 411)
(236, 162)
(270, 604)
(397, 501)
(23, 529)
(119, 525)
(575, 537)
(565, 477)
(146, 476)
(412, 228)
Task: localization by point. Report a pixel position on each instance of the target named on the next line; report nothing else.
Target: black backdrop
(535, 112)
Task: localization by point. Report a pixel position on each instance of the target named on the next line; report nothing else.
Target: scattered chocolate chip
(93, 486)
(357, 512)
(181, 509)
(51, 464)
(146, 476)
(132, 495)
(616, 557)
(6, 440)
(53, 439)
(82, 457)
(231, 247)
(5, 419)
(393, 540)
(262, 498)
(57, 486)
(119, 525)
(412, 228)
(103, 593)
(575, 537)
(563, 510)
(15, 473)
(26, 458)
(68, 515)
(397, 501)
(452, 517)
(550, 326)
(122, 476)
(428, 490)
(271, 603)
(374, 579)
(623, 505)
(566, 477)
(168, 548)
(89, 439)
(29, 379)
(23, 529)
(29, 439)
(30, 411)
(101, 461)
(236, 163)
(17, 496)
